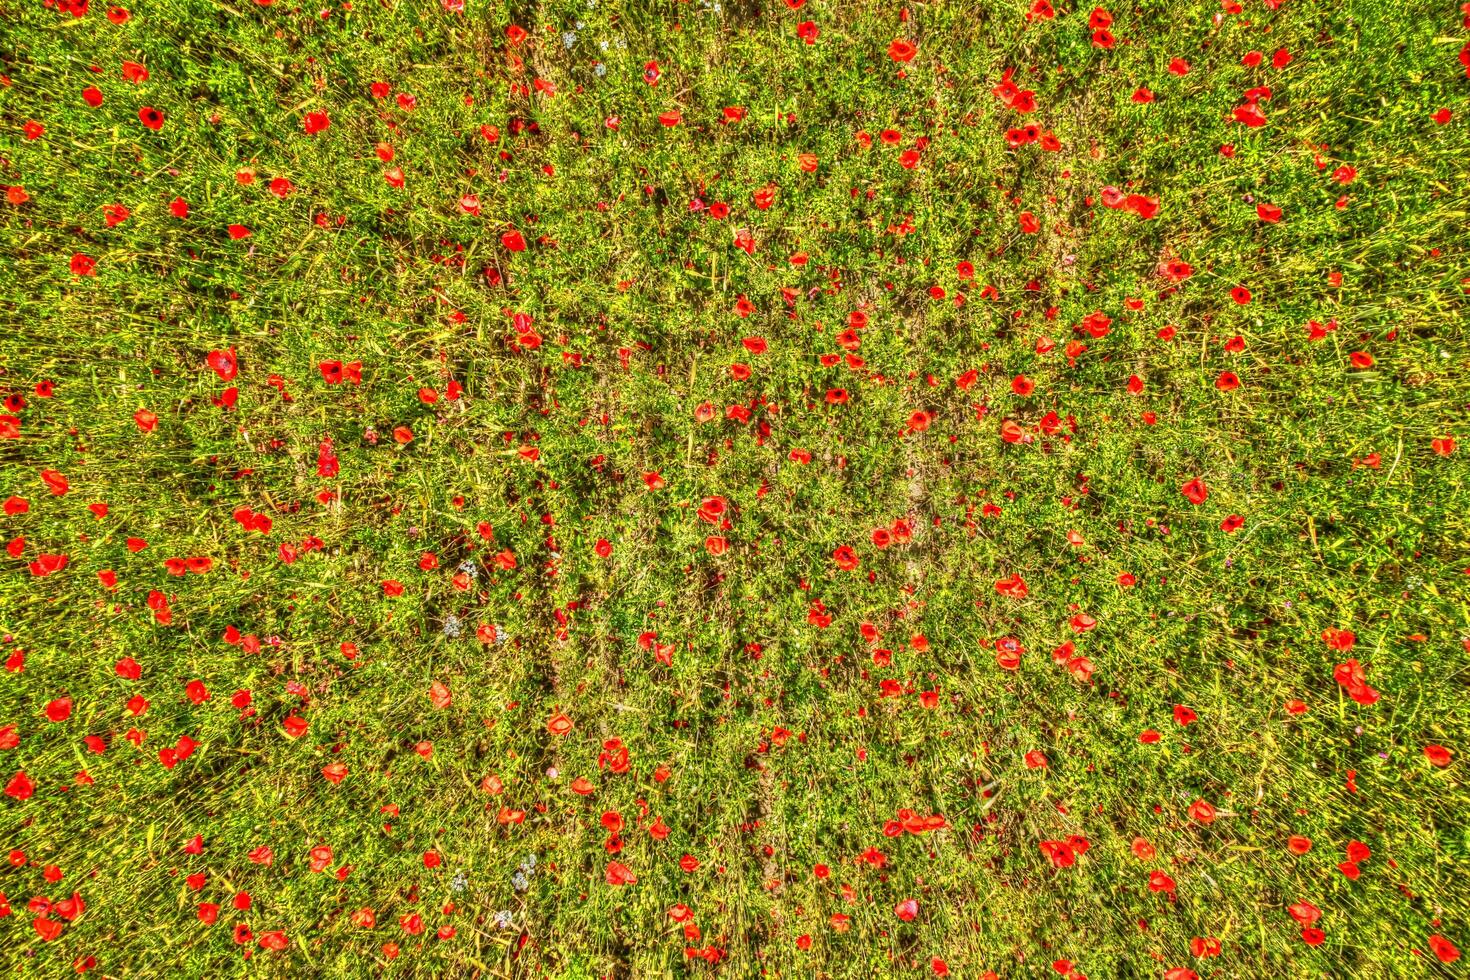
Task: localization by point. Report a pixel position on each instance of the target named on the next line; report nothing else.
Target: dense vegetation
(717, 487)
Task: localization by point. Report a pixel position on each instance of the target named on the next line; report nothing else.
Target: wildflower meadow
(743, 488)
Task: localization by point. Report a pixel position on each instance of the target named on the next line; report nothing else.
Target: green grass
(777, 710)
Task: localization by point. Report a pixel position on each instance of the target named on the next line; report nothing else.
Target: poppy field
(737, 488)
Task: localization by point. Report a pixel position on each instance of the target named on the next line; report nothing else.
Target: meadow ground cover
(785, 488)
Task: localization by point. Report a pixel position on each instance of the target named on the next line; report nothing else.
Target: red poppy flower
(1437, 755)
(1249, 114)
(1304, 913)
(223, 363)
(1015, 586)
(1444, 950)
(1158, 881)
(620, 874)
(1008, 651)
(20, 787)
